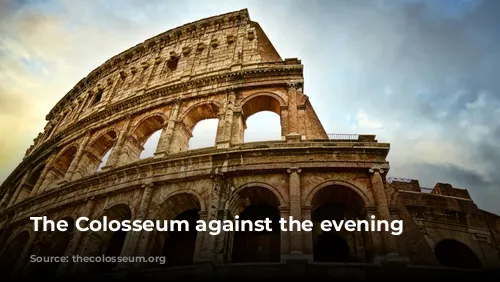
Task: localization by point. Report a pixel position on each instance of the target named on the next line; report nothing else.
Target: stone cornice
(127, 176)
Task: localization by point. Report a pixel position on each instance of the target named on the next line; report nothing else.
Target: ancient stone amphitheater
(223, 67)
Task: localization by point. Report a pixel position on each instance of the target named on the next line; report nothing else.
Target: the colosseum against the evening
(222, 67)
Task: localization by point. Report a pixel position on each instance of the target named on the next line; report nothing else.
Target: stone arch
(183, 130)
(453, 253)
(147, 126)
(178, 246)
(108, 243)
(35, 175)
(262, 102)
(334, 200)
(200, 111)
(52, 244)
(346, 184)
(96, 151)
(256, 201)
(60, 167)
(11, 254)
(236, 201)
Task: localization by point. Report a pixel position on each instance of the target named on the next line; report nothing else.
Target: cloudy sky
(422, 75)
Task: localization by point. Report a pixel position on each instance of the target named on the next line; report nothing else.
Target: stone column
(200, 238)
(180, 138)
(379, 195)
(238, 127)
(76, 240)
(43, 175)
(114, 157)
(209, 241)
(284, 235)
(376, 238)
(307, 236)
(6, 197)
(19, 188)
(224, 140)
(295, 210)
(292, 107)
(78, 157)
(166, 135)
(142, 211)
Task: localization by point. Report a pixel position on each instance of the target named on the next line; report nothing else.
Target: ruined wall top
(220, 43)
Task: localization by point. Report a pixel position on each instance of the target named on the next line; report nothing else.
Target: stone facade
(222, 67)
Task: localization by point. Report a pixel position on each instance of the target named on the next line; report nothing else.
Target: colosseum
(223, 67)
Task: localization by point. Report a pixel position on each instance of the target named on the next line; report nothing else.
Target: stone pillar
(292, 107)
(238, 127)
(284, 235)
(209, 241)
(114, 157)
(295, 210)
(200, 238)
(166, 135)
(19, 188)
(180, 138)
(77, 158)
(43, 175)
(6, 197)
(376, 238)
(142, 211)
(76, 240)
(379, 195)
(224, 141)
(307, 236)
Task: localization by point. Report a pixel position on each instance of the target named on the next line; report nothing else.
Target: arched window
(12, 253)
(204, 134)
(338, 203)
(60, 167)
(452, 253)
(262, 119)
(145, 138)
(97, 154)
(205, 118)
(178, 246)
(53, 244)
(150, 145)
(262, 126)
(257, 246)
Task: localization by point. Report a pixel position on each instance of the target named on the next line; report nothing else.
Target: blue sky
(422, 75)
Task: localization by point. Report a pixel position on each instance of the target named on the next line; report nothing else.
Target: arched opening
(60, 167)
(262, 126)
(53, 244)
(145, 138)
(178, 246)
(34, 176)
(338, 203)
(194, 116)
(97, 153)
(452, 253)
(204, 134)
(262, 119)
(12, 253)
(257, 203)
(109, 243)
(150, 145)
